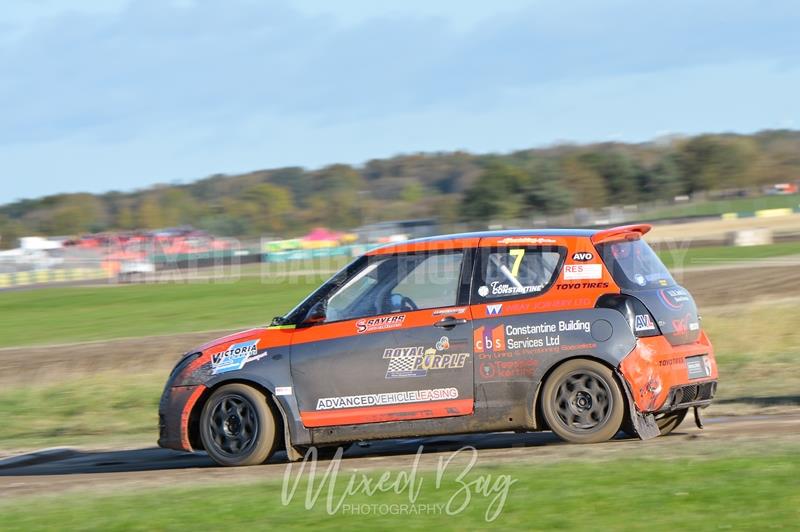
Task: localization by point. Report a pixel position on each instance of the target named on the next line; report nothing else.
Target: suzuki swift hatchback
(580, 332)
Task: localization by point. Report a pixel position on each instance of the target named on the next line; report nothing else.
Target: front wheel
(582, 402)
(237, 426)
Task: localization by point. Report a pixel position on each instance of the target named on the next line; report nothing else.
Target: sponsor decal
(487, 370)
(380, 324)
(684, 325)
(235, 357)
(547, 304)
(283, 390)
(663, 282)
(574, 272)
(515, 340)
(698, 367)
(508, 369)
(583, 256)
(677, 361)
(382, 399)
(643, 322)
(443, 344)
(483, 291)
(417, 361)
(449, 311)
(494, 310)
(504, 289)
(582, 286)
(526, 240)
(492, 340)
(673, 298)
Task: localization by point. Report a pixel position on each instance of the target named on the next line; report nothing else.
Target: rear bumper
(658, 377)
(690, 395)
(174, 415)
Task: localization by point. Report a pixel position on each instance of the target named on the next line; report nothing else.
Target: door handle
(449, 322)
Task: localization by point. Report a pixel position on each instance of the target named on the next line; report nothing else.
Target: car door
(396, 343)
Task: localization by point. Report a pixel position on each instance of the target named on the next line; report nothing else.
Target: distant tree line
(451, 187)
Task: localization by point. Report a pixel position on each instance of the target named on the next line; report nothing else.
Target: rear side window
(634, 265)
(515, 272)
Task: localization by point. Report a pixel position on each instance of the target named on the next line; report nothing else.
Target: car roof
(508, 233)
(586, 233)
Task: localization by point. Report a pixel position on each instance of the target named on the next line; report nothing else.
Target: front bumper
(174, 415)
(657, 375)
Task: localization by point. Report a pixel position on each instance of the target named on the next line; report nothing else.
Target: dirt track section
(70, 470)
(41, 364)
(743, 283)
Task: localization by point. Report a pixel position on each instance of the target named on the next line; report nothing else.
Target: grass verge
(99, 409)
(747, 492)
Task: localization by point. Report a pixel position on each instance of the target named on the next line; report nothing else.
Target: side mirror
(317, 313)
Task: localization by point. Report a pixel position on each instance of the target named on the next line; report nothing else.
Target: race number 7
(517, 254)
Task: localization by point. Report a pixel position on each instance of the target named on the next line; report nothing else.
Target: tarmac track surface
(61, 470)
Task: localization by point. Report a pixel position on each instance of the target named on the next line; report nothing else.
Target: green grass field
(71, 314)
(719, 207)
(753, 492)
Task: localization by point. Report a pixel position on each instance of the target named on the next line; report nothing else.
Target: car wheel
(582, 402)
(237, 426)
(669, 421)
(666, 422)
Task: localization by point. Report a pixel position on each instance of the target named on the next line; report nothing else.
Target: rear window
(634, 265)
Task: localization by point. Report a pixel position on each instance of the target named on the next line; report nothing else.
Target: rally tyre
(670, 421)
(237, 426)
(582, 402)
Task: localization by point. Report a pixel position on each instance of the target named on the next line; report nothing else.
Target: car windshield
(634, 265)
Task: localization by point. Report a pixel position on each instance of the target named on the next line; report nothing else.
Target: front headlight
(181, 365)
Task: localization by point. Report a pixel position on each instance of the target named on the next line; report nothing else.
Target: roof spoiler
(625, 232)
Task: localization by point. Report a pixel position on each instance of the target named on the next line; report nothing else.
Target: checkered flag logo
(404, 362)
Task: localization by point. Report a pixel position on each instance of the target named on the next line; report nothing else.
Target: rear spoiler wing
(625, 232)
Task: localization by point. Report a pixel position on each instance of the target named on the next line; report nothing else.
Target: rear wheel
(670, 421)
(582, 402)
(666, 422)
(237, 426)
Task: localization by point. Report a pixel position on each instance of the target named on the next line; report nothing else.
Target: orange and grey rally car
(584, 333)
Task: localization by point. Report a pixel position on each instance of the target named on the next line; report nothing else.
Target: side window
(433, 282)
(513, 272)
(345, 297)
(398, 283)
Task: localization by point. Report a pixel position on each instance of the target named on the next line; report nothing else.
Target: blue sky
(121, 94)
